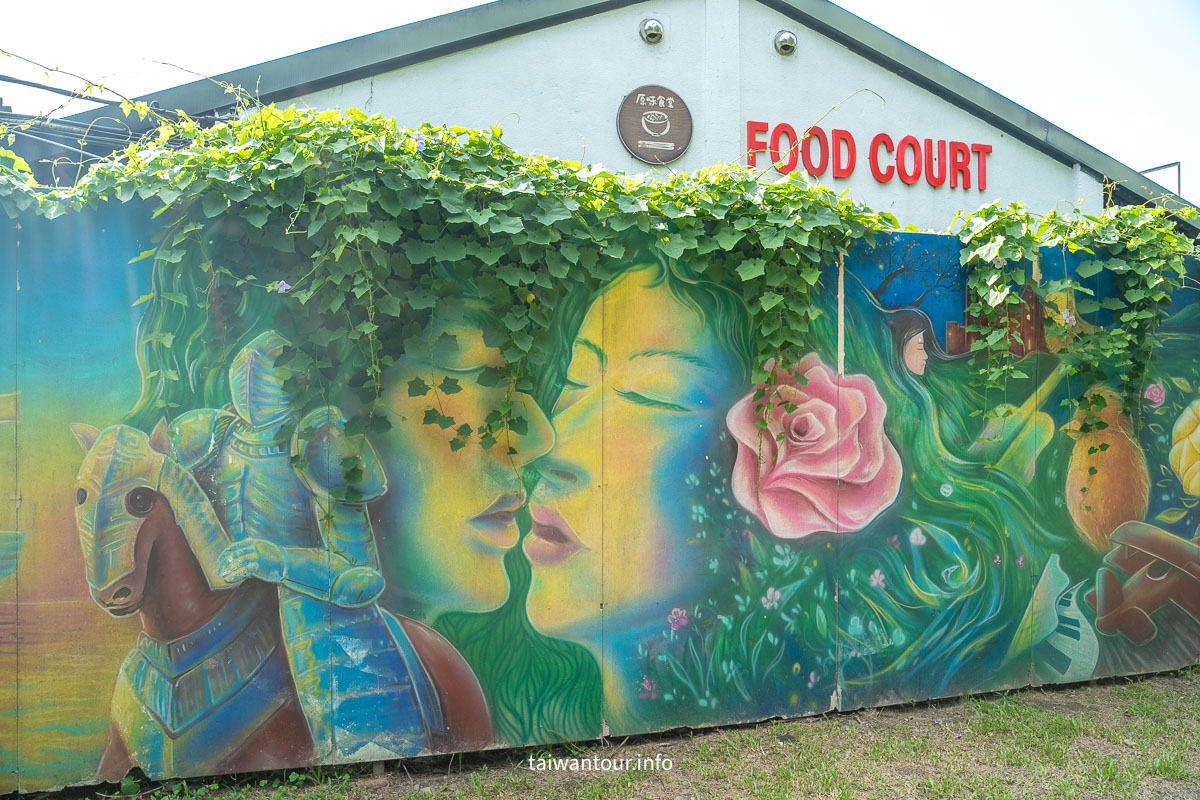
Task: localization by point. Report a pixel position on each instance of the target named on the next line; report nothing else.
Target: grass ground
(1121, 739)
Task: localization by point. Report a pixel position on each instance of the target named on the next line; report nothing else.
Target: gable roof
(391, 49)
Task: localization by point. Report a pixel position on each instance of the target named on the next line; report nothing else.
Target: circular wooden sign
(654, 124)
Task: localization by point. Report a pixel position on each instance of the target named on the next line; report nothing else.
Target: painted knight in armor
(279, 487)
(241, 537)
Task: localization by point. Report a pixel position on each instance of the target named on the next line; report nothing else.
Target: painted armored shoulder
(322, 454)
(256, 383)
(198, 435)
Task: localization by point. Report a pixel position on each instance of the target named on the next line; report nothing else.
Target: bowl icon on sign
(656, 123)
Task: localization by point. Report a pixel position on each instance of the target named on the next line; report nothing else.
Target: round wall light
(652, 31)
(786, 43)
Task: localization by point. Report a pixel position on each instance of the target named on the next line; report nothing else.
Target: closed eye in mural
(634, 548)
(874, 538)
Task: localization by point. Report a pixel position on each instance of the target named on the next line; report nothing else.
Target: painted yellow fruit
(1108, 480)
(1185, 450)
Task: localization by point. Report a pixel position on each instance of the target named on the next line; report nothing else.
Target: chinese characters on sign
(654, 124)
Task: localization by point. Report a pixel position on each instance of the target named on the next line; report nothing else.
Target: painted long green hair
(539, 688)
(959, 550)
(938, 619)
(195, 322)
(922, 602)
(205, 306)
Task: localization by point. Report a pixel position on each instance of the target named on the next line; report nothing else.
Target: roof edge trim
(922, 69)
(375, 53)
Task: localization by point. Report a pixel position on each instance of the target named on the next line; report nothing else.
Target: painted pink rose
(1156, 394)
(833, 469)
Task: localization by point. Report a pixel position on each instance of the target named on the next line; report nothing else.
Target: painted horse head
(128, 481)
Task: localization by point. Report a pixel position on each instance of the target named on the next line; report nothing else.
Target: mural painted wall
(191, 583)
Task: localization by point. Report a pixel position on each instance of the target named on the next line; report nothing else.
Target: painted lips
(496, 522)
(552, 540)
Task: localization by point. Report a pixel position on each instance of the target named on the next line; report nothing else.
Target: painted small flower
(996, 559)
(714, 564)
(649, 690)
(894, 541)
(917, 537)
(771, 598)
(947, 489)
(1069, 318)
(282, 287)
(878, 579)
(419, 138)
(677, 619)
(813, 677)
(1156, 394)
(1021, 561)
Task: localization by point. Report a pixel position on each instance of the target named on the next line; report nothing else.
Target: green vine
(368, 228)
(1138, 261)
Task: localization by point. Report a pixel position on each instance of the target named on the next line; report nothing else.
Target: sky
(1120, 75)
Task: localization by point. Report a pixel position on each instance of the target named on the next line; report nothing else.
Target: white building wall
(812, 84)
(556, 91)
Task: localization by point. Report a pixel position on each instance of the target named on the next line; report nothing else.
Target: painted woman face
(915, 356)
(645, 399)
(447, 517)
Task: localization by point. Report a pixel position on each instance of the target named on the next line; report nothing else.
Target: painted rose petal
(832, 467)
(826, 414)
(822, 494)
(744, 483)
(740, 421)
(839, 455)
(803, 429)
(853, 404)
(859, 504)
(870, 433)
(789, 515)
(828, 465)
